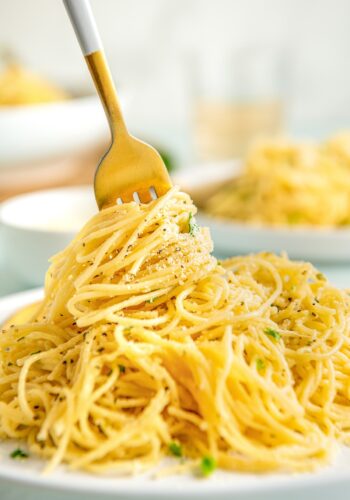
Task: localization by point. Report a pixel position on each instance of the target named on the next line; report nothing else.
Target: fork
(130, 169)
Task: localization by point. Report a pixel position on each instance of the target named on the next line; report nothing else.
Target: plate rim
(300, 230)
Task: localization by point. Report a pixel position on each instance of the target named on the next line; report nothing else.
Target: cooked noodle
(144, 339)
(19, 87)
(289, 183)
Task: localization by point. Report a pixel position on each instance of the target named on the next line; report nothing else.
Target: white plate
(331, 482)
(316, 245)
(325, 245)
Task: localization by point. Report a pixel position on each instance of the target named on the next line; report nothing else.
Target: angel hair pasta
(289, 183)
(145, 346)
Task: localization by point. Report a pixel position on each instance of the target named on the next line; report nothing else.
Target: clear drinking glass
(237, 97)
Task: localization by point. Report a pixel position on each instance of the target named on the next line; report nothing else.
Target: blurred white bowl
(35, 226)
(36, 133)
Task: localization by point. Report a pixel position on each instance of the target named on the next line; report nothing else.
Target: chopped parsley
(36, 352)
(260, 364)
(207, 465)
(150, 301)
(19, 454)
(272, 333)
(294, 218)
(121, 368)
(193, 227)
(321, 277)
(175, 449)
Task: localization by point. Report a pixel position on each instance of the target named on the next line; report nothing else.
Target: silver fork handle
(82, 19)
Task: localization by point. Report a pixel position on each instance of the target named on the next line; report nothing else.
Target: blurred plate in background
(202, 180)
(317, 245)
(326, 245)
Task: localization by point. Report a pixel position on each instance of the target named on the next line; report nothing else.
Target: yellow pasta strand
(289, 183)
(144, 339)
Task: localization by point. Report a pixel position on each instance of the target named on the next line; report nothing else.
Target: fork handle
(82, 19)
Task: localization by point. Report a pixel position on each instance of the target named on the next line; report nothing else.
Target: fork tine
(145, 195)
(127, 197)
(161, 189)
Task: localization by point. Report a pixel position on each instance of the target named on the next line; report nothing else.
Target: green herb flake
(19, 454)
(175, 449)
(193, 227)
(321, 277)
(247, 195)
(207, 465)
(36, 352)
(150, 301)
(260, 364)
(121, 368)
(294, 218)
(272, 333)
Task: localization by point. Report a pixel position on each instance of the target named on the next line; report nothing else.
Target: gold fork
(130, 169)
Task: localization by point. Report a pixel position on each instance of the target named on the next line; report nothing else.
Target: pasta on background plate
(289, 183)
(18, 86)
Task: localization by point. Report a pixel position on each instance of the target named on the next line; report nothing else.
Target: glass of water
(237, 97)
